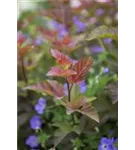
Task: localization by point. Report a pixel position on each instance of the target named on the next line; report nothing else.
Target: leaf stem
(69, 90)
(103, 45)
(23, 71)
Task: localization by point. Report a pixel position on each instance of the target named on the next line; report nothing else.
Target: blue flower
(42, 101)
(106, 70)
(62, 31)
(32, 141)
(38, 41)
(106, 144)
(83, 87)
(107, 40)
(40, 106)
(65, 89)
(80, 25)
(35, 122)
(99, 11)
(96, 49)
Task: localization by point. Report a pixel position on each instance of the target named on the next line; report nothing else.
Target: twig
(23, 71)
(69, 90)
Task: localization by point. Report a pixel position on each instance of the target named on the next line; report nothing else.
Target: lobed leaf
(103, 32)
(81, 68)
(62, 59)
(83, 106)
(50, 87)
(58, 71)
(22, 51)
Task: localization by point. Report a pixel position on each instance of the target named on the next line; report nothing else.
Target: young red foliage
(58, 71)
(81, 67)
(61, 58)
(50, 87)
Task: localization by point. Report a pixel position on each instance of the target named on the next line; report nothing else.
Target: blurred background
(91, 27)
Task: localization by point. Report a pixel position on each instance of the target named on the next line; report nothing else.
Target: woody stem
(68, 87)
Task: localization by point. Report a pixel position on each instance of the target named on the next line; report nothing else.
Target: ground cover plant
(67, 75)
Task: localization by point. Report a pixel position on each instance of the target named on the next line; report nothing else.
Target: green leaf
(75, 91)
(77, 143)
(57, 140)
(91, 99)
(102, 32)
(64, 129)
(43, 138)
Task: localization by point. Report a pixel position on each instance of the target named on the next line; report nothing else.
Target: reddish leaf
(81, 67)
(48, 34)
(21, 52)
(83, 106)
(20, 41)
(57, 71)
(62, 59)
(50, 87)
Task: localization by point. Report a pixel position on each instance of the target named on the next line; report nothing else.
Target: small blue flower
(65, 89)
(107, 40)
(80, 25)
(83, 87)
(38, 41)
(99, 11)
(40, 106)
(106, 70)
(35, 122)
(116, 140)
(62, 33)
(32, 141)
(106, 144)
(96, 49)
(42, 101)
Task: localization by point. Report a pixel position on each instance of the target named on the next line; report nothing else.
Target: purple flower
(107, 40)
(106, 144)
(80, 25)
(38, 41)
(106, 70)
(42, 101)
(35, 122)
(116, 140)
(20, 35)
(65, 89)
(96, 49)
(99, 11)
(83, 87)
(40, 106)
(32, 141)
(62, 31)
